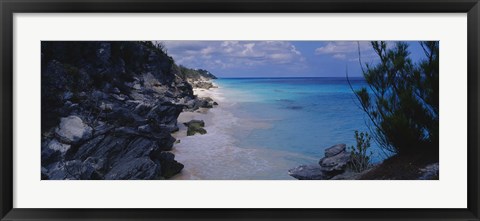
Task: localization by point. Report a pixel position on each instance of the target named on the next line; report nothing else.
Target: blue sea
(263, 127)
(305, 115)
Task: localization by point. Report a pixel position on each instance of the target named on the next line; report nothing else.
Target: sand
(216, 155)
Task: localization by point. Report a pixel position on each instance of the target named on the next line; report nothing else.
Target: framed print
(239, 110)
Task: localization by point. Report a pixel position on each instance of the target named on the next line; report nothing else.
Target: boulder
(106, 107)
(335, 163)
(72, 170)
(73, 130)
(166, 143)
(169, 166)
(100, 165)
(196, 123)
(335, 149)
(49, 155)
(195, 126)
(57, 146)
(308, 172)
(165, 115)
(430, 172)
(135, 169)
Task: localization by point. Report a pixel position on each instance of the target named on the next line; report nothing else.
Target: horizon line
(293, 77)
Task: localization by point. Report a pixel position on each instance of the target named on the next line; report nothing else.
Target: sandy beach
(215, 155)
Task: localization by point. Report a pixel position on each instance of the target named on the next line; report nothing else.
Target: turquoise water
(299, 115)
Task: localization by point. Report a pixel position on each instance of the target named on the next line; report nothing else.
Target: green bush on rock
(360, 159)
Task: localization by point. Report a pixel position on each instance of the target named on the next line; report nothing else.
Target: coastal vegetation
(360, 154)
(402, 103)
(402, 98)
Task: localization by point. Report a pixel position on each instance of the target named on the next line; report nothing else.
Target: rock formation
(334, 163)
(108, 110)
(195, 126)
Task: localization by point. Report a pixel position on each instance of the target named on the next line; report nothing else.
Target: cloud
(233, 54)
(347, 50)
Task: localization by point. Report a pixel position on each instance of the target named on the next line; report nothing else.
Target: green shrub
(360, 159)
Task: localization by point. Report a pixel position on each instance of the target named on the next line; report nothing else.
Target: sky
(230, 59)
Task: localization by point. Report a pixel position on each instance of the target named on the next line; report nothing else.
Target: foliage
(402, 98)
(195, 74)
(157, 46)
(360, 159)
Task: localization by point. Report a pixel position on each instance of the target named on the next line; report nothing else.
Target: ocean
(272, 125)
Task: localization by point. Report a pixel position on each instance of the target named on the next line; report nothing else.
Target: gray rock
(169, 165)
(73, 130)
(195, 126)
(72, 170)
(135, 169)
(165, 114)
(335, 149)
(67, 95)
(106, 106)
(120, 97)
(144, 128)
(430, 172)
(44, 173)
(102, 128)
(198, 123)
(349, 175)
(57, 146)
(335, 163)
(116, 90)
(143, 108)
(50, 155)
(100, 165)
(308, 172)
(99, 95)
(166, 143)
(137, 86)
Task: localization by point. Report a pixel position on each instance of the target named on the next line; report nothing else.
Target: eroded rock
(73, 130)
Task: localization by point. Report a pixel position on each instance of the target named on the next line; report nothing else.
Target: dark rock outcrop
(109, 108)
(195, 126)
(308, 172)
(430, 172)
(334, 163)
(335, 149)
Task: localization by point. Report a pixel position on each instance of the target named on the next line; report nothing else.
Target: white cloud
(348, 50)
(233, 54)
(344, 50)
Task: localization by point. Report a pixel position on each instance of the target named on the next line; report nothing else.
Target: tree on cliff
(402, 98)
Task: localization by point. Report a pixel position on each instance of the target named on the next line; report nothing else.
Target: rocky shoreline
(331, 167)
(335, 166)
(109, 108)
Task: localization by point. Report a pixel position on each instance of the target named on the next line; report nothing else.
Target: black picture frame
(9, 7)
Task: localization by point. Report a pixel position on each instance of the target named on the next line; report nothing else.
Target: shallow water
(263, 127)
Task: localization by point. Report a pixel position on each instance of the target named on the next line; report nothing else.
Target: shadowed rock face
(108, 110)
(308, 172)
(334, 163)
